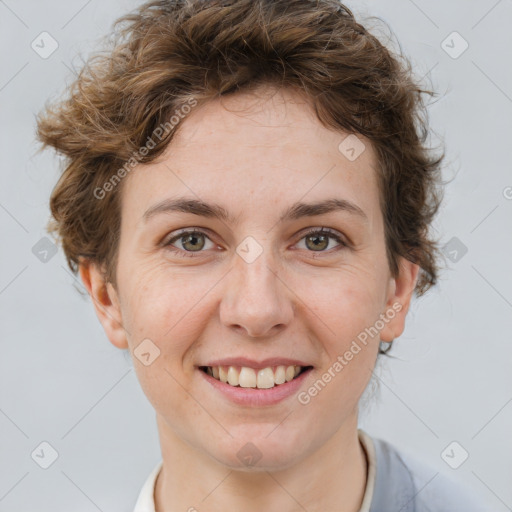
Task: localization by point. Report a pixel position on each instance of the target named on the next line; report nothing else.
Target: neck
(332, 478)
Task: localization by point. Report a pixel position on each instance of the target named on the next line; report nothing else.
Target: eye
(193, 241)
(190, 241)
(318, 239)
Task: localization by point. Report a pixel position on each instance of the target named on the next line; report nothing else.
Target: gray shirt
(403, 484)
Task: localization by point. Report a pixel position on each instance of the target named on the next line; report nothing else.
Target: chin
(257, 449)
(260, 463)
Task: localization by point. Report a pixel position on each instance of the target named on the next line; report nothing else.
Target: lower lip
(255, 396)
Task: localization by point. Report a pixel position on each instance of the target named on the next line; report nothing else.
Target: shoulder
(417, 487)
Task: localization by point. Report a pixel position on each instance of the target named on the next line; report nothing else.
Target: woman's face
(254, 285)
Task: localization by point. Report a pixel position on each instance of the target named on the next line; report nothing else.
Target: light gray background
(63, 382)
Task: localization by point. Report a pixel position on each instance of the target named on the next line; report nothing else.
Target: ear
(398, 301)
(105, 301)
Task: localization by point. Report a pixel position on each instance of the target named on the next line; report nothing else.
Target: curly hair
(168, 53)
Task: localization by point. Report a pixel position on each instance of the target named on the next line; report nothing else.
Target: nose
(256, 302)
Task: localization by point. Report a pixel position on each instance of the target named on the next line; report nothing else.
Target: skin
(255, 154)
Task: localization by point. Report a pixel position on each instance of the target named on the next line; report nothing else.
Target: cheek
(166, 307)
(348, 336)
(350, 343)
(348, 300)
(167, 311)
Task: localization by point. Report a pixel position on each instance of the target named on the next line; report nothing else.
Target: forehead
(259, 149)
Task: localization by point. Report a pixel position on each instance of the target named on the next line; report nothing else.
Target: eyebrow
(216, 211)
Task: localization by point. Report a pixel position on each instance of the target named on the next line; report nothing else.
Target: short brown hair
(169, 51)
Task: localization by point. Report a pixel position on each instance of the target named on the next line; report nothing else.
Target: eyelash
(191, 254)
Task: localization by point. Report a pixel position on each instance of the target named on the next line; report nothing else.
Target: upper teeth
(246, 377)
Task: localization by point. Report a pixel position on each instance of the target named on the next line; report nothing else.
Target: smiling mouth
(264, 378)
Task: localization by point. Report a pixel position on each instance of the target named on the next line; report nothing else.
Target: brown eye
(318, 240)
(188, 242)
(192, 241)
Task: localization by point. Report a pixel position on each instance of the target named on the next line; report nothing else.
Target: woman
(247, 200)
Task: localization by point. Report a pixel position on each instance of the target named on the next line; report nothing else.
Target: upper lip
(251, 363)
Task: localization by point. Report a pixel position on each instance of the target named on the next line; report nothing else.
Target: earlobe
(105, 301)
(399, 298)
